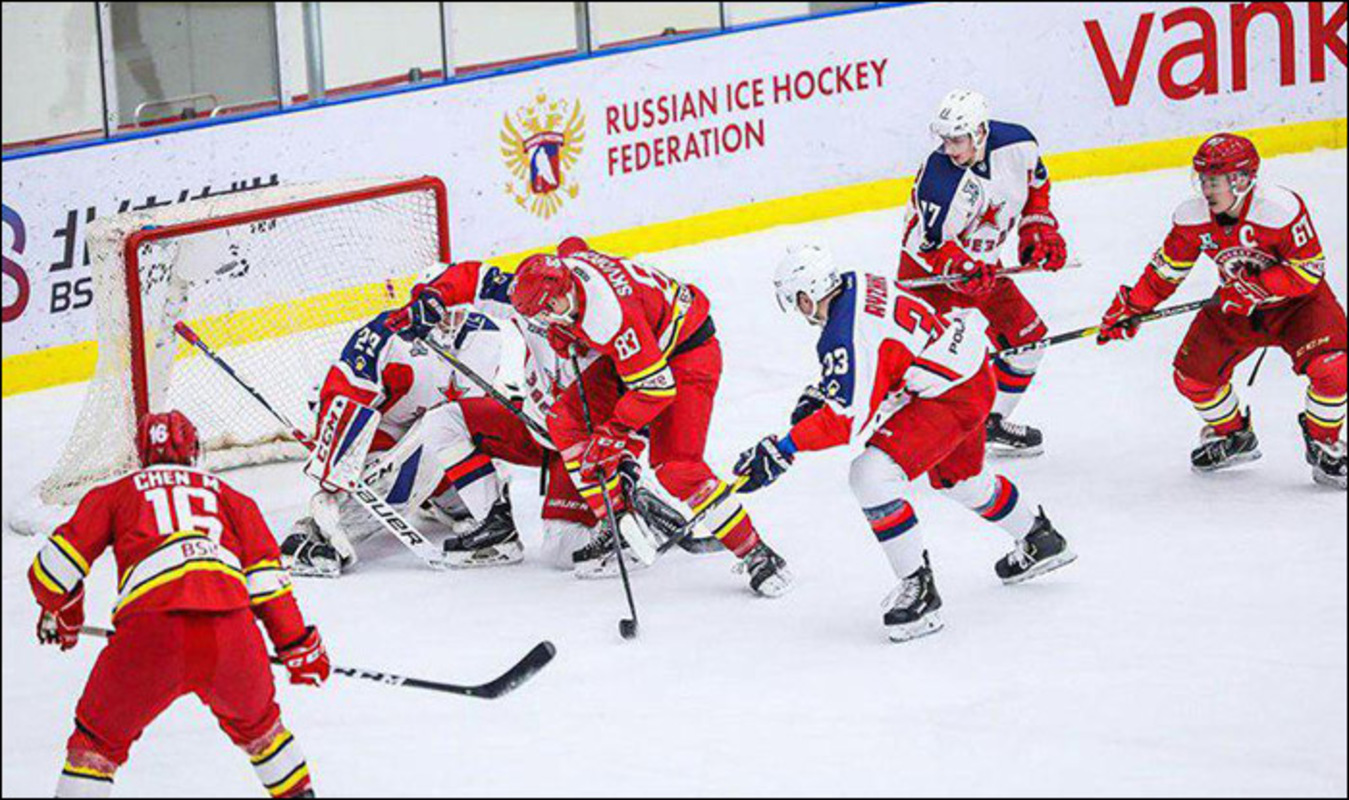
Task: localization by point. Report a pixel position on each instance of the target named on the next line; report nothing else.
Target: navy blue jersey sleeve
(937, 186)
(364, 351)
(836, 348)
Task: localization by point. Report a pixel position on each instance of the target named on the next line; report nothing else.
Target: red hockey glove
(609, 445)
(951, 259)
(1242, 296)
(1041, 244)
(1114, 326)
(307, 660)
(562, 340)
(62, 626)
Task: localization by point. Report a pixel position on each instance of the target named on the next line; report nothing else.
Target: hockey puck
(627, 628)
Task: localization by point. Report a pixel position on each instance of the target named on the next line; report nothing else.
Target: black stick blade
(534, 661)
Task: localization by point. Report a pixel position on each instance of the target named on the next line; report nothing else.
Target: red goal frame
(131, 252)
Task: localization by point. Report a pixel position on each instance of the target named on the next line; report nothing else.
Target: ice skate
(1038, 552)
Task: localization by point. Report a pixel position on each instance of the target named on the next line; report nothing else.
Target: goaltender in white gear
(387, 414)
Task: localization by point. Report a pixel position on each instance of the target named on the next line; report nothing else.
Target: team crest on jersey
(541, 143)
(1206, 242)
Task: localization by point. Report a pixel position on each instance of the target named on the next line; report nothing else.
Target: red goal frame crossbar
(131, 253)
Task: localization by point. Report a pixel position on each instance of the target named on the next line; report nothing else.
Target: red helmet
(168, 438)
(571, 246)
(1225, 153)
(538, 279)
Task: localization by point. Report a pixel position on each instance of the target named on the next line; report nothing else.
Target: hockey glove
(764, 463)
(812, 400)
(1041, 244)
(307, 660)
(979, 277)
(422, 313)
(606, 448)
(1242, 296)
(1114, 325)
(62, 626)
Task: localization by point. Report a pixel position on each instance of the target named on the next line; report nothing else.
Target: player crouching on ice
(390, 412)
(573, 537)
(197, 568)
(1274, 294)
(917, 387)
(657, 364)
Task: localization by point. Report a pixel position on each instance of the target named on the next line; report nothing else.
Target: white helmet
(808, 269)
(962, 113)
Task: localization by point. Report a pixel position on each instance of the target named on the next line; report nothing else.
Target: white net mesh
(274, 280)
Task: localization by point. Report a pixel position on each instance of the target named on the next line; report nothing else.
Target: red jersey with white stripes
(184, 540)
(1270, 241)
(881, 347)
(638, 317)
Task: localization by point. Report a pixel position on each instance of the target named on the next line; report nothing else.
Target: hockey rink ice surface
(1197, 646)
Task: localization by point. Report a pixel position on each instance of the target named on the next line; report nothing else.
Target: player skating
(658, 365)
(1273, 294)
(197, 569)
(984, 182)
(391, 408)
(917, 388)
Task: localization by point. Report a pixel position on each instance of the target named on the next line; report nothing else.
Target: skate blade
(1329, 481)
(1003, 451)
(477, 559)
(607, 571)
(301, 571)
(1244, 458)
(1043, 568)
(928, 625)
(775, 587)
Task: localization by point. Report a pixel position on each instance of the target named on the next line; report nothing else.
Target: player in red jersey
(1274, 294)
(657, 336)
(196, 566)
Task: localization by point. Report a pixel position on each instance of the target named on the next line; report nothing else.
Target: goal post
(276, 279)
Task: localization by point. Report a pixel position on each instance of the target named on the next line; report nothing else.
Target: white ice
(1197, 647)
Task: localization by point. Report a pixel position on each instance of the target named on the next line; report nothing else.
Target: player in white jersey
(985, 182)
(397, 409)
(915, 386)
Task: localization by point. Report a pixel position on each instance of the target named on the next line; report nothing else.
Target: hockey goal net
(274, 279)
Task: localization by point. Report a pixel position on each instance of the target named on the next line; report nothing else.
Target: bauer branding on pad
(344, 437)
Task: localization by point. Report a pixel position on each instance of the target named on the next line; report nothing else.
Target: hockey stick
(948, 280)
(507, 682)
(627, 628)
(1255, 372)
(687, 531)
(1087, 333)
(482, 383)
(386, 515)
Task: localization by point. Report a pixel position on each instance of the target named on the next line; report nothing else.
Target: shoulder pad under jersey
(495, 284)
(1191, 212)
(1274, 207)
(1005, 134)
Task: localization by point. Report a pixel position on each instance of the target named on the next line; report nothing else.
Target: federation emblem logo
(541, 143)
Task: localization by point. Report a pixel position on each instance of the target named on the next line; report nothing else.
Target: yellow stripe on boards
(70, 363)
